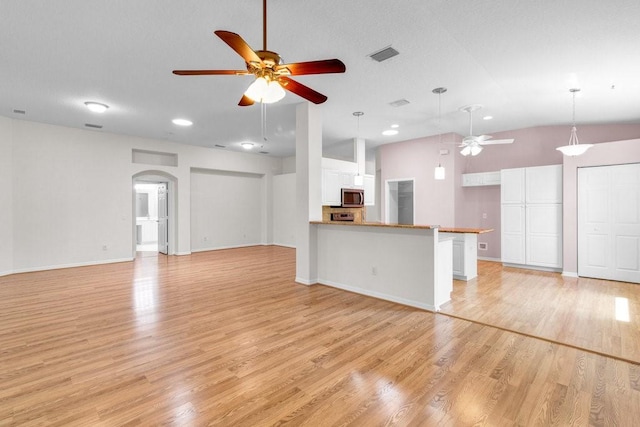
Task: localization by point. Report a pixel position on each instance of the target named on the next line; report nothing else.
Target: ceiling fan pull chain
(263, 120)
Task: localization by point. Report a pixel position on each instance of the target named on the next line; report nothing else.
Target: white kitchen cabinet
(369, 190)
(465, 259)
(333, 181)
(481, 179)
(531, 212)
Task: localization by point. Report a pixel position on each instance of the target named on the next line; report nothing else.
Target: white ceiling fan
(473, 144)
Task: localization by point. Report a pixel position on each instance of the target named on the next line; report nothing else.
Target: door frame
(387, 192)
(155, 176)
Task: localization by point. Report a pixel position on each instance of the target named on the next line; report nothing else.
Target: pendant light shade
(574, 148)
(438, 173)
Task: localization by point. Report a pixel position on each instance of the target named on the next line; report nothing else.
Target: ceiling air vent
(263, 152)
(220, 146)
(89, 125)
(19, 111)
(399, 103)
(384, 54)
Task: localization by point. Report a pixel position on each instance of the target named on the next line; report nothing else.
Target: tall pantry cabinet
(531, 212)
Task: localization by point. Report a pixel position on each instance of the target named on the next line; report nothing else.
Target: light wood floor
(582, 312)
(227, 338)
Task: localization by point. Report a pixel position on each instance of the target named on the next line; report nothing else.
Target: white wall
(226, 210)
(6, 197)
(284, 209)
(73, 192)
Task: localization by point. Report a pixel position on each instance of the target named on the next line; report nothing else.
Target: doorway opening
(153, 214)
(151, 217)
(399, 201)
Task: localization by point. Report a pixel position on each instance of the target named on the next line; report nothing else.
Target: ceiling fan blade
(312, 67)
(496, 141)
(481, 138)
(238, 44)
(245, 101)
(210, 72)
(302, 90)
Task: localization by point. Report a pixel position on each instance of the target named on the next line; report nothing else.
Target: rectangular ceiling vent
(220, 146)
(384, 54)
(264, 152)
(399, 103)
(89, 125)
(19, 111)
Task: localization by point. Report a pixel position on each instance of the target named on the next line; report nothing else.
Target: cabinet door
(512, 185)
(346, 180)
(513, 233)
(544, 184)
(544, 235)
(458, 258)
(369, 190)
(331, 185)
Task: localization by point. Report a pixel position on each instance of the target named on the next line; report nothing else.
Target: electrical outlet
(105, 247)
(374, 271)
(205, 238)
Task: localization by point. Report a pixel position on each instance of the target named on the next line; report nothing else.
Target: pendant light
(574, 148)
(438, 173)
(358, 179)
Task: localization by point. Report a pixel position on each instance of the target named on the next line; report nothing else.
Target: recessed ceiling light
(487, 118)
(247, 145)
(395, 126)
(96, 107)
(182, 122)
(390, 132)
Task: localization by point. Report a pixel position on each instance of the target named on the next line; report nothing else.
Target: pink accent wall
(449, 204)
(416, 159)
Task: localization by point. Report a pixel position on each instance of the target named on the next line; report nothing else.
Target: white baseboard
(182, 253)
(218, 248)
(305, 282)
(284, 245)
(485, 258)
(378, 295)
(77, 264)
(570, 274)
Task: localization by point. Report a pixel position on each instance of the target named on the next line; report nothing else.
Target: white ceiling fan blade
(497, 141)
(483, 138)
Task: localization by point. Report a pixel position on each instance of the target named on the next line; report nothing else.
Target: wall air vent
(399, 103)
(19, 111)
(89, 125)
(384, 54)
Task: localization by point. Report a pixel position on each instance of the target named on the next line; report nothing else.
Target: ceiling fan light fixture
(267, 92)
(475, 150)
(574, 148)
(438, 173)
(466, 150)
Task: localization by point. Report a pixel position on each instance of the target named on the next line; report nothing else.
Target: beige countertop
(426, 227)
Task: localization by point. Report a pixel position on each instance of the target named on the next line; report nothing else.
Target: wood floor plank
(227, 338)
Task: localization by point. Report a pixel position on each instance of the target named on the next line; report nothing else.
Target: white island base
(409, 265)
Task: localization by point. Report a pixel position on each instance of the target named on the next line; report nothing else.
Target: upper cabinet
(480, 179)
(512, 187)
(544, 184)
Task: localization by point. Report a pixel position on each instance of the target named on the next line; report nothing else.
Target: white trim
(217, 248)
(183, 253)
(305, 282)
(284, 245)
(379, 295)
(486, 258)
(570, 274)
(533, 267)
(78, 264)
(5, 273)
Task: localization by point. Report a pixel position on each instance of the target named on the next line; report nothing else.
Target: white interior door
(609, 222)
(163, 219)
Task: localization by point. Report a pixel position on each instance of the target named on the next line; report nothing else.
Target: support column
(308, 190)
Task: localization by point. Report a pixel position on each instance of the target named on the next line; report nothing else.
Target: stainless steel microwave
(352, 198)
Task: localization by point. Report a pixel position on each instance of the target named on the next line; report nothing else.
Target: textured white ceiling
(518, 58)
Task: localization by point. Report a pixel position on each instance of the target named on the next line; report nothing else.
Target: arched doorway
(154, 212)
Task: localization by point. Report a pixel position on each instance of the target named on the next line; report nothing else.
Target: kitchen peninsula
(406, 264)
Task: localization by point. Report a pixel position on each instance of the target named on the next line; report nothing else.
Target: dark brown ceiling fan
(271, 74)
